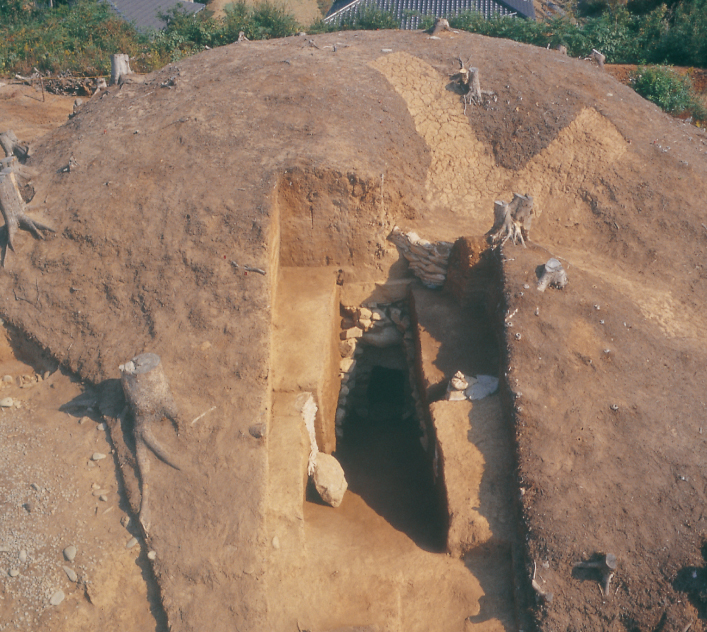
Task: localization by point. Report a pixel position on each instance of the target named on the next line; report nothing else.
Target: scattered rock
(329, 479)
(97, 456)
(6, 402)
(103, 498)
(70, 553)
(152, 555)
(28, 506)
(347, 348)
(56, 598)
(23, 556)
(347, 364)
(13, 572)
(84, 420)
(70, 573)
(257, 430)
(131, 543)
(125, 521)
(354, 332)
(276, 543)
(386, 337)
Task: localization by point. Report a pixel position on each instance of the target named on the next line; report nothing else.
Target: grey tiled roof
(409, 12)
(145, 13)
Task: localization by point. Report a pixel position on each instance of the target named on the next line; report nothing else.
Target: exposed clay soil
(279, 152)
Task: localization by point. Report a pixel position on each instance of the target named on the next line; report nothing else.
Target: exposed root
(512, 220)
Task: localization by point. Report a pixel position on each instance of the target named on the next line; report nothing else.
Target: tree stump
(150, 399)
(12, 146)
(440, 25)
(598, 57)
(475, 84)
(553, 275)
(562, 49)
(511, 220)
(119, 67)
(12, 207)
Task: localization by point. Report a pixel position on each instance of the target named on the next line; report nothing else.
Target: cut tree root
(470, 84)
(512, 220)
(12, 207)
(554, 275)
(150, 399)
(606, 565)
(119, 68)
(12, 146)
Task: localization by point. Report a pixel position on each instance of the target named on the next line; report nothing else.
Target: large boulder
(329, 479)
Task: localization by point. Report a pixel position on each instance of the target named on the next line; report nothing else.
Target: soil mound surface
(193, 186)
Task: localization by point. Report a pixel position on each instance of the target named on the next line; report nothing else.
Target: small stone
(13, 572)
(97, 456)
(103, 498)
(70, 573)
(347, 365)
(378, 314)
(47, 375)
(17, 404)
(35, 487)
(70, 553)
(387, 337)
(101, 426)
(28, 506)
(97, 492)
(340, 416)
(347, 348)
(257, 430)
(23, 556)
(125, 521)
(7, 379)
(131, 543)
(56, 598)
(84, 420)
(152, 555)
(364, 323)
(364, 312)
(344, 390)
(95, 486)
(354, 332)
(329, 479)
(6, 402)
(276, 543)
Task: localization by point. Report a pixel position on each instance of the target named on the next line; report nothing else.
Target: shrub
(668, 90)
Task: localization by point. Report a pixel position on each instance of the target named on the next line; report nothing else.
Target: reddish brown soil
(282, 149)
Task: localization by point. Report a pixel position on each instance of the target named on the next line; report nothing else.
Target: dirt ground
(245, 163)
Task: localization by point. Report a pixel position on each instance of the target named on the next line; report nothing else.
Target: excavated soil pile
(189, 199)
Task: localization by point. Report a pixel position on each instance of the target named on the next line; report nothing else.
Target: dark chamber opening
(385, 463)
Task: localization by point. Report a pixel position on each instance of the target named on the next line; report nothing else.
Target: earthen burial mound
(266, 176)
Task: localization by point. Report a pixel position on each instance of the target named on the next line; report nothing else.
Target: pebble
(131, 543)
(101, 426)
(47, 375)
(70, 573)
(23, 556)
(70, 553)
(56, 598)
(276, 543)
(152, 555)
(6, 402)
(7, 379)
(125, 521)
(35, 487)
(257, 430)
(97, 456)
(103, 498)
(83, 420)
(13, 572)
(97, 492)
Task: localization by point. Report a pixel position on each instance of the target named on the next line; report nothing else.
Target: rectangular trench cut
(425, 535)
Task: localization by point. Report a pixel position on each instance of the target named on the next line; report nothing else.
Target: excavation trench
(424, 537)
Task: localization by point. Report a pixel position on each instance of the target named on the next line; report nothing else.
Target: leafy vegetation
(80, 37)
(669, 90)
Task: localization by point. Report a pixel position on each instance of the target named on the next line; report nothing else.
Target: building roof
(145, 14)
(409, 12)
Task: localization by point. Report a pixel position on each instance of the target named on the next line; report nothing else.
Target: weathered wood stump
(511, 220)
(440, 25)
(554, 275)
(12, 207)
(150, 399)
(12, 146)
(598, 57)
(119, 67)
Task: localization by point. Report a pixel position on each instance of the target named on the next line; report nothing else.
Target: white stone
(97, 456)
(329, 479)
(347, 365)
(364, 312)
(6, 402)
(344, 391)
(56, 598)
(152, 556)
(386, 337)
(347, 348)
(340, 415)
(364, 323)
(378, 315)
(70, 573)
(70, 553)
(354, 332)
